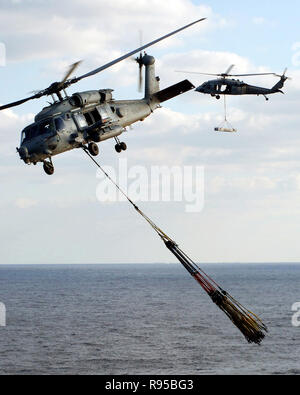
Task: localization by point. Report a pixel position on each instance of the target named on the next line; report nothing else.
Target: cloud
(35, 30)
(252, 177)
(263, 21)
(11, 126)
(259, 20)
(25, 203)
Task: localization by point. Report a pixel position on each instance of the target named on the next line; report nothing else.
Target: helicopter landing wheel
(48, 168)
(218, 97)
(93, 149)
(123, 146)
(120, 147)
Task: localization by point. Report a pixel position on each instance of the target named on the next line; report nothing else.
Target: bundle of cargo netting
(248, 323)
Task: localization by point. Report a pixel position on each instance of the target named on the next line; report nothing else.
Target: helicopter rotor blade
(39, 94)
(19, 102)
(196, 72)
(141, 38)
(71, 70)
(140, 63)
(56, 87)
(228, 70)
(139, 60)
(106, 66)
(140, 86)
(248, 75)
(225, 74)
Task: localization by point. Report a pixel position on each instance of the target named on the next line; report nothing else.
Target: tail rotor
(280, 84)
(283, 77)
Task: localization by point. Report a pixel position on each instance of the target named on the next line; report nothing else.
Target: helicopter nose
(200, 89)
(23, 152)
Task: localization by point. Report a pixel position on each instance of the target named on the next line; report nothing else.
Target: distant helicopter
(87, 118)
(226, 86)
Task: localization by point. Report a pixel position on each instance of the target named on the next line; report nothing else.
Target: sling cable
(247, 322)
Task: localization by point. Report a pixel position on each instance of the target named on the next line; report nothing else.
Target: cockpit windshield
(59, 124)
(44, 127)
(35, 130)
(29, 133)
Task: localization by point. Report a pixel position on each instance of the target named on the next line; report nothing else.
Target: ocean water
(144, 319)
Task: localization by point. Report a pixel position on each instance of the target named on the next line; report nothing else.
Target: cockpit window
(44, 127)
(81, 121)
(59, 124)
(25, 135)
(29, 133)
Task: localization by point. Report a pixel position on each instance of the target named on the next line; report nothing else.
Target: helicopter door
(88, 118)
(80, 120)
(92, 117)
(223, 88)
(237, 90)
(220, 88)
(103, 114)
(95, 114)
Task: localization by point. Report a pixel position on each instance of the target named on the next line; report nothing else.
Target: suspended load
(248, 323)
(225, 126)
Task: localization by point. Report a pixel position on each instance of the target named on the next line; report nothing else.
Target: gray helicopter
(228, 86)
(88, 118)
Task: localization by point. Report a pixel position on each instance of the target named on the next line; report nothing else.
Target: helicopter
(229, 86)
(87, 118)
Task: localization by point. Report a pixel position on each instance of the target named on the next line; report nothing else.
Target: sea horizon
(147, 263)
(126, 319)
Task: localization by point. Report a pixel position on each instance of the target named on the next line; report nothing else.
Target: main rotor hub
(148, 60)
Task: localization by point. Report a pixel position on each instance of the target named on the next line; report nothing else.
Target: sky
(251, 187)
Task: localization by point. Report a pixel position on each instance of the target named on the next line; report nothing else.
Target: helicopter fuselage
(88, 118)
(85, 117)
(93, 116)
(227, 86)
